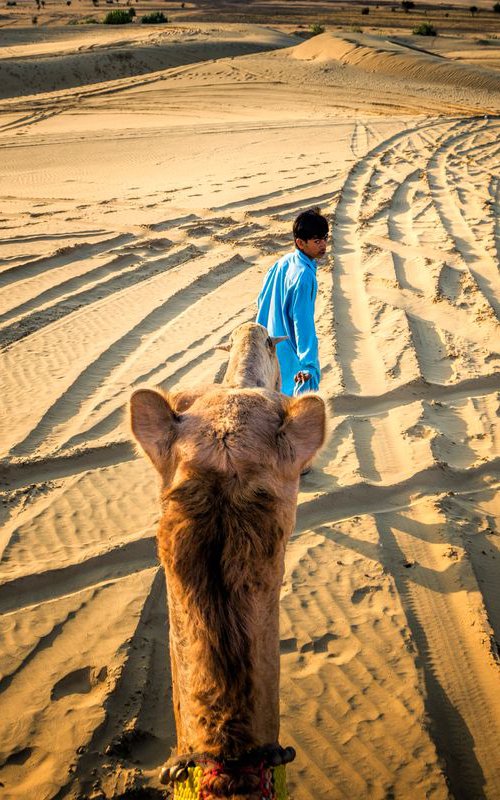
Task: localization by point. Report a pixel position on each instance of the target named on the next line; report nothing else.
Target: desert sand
(148, 179)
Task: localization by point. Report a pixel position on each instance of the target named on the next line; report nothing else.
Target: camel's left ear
(277, 339)
(154, 424)
(305, 426)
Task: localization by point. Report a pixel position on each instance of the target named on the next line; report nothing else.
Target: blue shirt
(286, 308)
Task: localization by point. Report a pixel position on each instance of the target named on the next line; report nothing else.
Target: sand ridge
(138, 218)
(383, 74)
(65, 58)
(394, 57)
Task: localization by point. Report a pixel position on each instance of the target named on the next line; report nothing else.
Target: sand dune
(397, 58)
(379, 74)
(75, 60)
(138, 218)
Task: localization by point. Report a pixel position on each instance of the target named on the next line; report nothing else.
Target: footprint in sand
(319, 644)
(19, 757)
(288, 645)
(80, 681)
(359, 594)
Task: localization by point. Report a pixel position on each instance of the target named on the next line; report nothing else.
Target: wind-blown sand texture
(138, 218)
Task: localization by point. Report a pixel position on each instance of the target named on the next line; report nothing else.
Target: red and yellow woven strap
(190, 789)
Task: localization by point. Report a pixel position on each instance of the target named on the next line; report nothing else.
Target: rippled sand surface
(141, 206)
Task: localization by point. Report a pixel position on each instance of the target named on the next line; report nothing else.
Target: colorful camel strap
(273, 784)
(196, 776)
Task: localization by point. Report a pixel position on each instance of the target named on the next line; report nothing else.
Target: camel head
(252, 358)
(229, 466)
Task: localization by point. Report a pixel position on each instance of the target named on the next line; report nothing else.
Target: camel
(252, 362)
(252, 358)
(229, 459)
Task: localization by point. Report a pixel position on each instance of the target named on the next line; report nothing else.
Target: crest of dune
(386, 57)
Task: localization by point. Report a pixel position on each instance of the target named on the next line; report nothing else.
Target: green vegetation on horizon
(156, 18)
(119, 17)
(425, 29)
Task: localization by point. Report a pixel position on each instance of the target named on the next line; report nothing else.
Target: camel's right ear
(305, 426)
(225, 347)
(154, 424)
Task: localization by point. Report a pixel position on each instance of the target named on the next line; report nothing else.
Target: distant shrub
(131, 12)
(316, 29)
(10, 3)
(496, 8)
(156, 18)
(365, 11)
(356, 29)
(425, 29)
(117, 17)
(473, 10)
(34, 20)
(407, 5)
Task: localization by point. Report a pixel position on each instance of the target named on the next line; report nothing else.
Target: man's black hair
(310, 224)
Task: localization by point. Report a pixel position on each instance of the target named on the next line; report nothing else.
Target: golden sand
(148, 180)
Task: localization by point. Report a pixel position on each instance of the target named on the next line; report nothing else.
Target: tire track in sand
(460, 674)
(481, 264)
(124, 334)
(97, 290)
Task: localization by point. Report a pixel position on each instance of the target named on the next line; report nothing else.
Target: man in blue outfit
(286, 304)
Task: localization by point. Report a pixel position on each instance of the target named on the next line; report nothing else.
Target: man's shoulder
(301, 269)
(295, 261)
(295, 268)
(286, 260)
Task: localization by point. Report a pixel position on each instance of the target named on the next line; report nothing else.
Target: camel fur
(229, 466)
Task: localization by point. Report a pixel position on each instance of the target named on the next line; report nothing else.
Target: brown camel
(252, 358)
(229, 460)
(252, 363)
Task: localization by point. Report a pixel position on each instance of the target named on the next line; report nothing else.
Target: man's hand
(302, 377)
